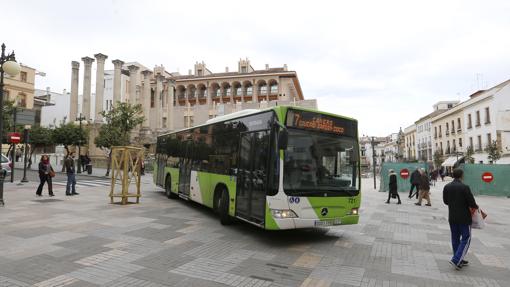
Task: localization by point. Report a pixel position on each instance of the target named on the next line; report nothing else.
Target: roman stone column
(146, 102)
(87, 79)
(133, 69)
(159, 90)
(170, 111)
(75, 79)
(117, 65)
(99, 86)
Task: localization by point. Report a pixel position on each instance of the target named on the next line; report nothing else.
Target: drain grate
(48, 200)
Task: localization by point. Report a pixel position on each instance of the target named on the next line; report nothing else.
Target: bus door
(161, 162)
(252, 176)
(185, 169)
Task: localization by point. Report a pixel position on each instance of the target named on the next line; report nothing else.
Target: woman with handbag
(393, 192)
(46, 172)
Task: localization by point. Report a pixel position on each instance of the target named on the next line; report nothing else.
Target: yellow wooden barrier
(126, 165)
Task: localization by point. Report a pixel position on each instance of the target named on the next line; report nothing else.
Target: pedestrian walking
(18, 154)
(442, 173)
(46, 172)
(424, 188)
(415, 183)
(393, 190)
(459, 199)
(71, 175)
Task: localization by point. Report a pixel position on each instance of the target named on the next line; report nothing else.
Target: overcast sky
(383, 62)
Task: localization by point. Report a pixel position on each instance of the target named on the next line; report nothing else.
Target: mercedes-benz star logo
(324, 211)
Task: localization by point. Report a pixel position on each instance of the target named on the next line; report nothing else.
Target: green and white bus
(279, 168)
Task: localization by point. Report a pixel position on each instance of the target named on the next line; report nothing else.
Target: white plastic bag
(478, 220)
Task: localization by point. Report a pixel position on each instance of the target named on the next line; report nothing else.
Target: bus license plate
(330, 222)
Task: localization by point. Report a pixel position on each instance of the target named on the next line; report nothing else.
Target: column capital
(133, 68)
(100, 57)
(87, 60)
(117, 64)
(159, 77)
(75, 64)
(147, 73)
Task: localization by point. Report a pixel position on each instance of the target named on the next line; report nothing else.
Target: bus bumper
(293, 223)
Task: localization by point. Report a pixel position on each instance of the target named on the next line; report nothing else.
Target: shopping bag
(478, 218)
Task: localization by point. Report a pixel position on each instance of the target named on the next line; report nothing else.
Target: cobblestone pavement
(85, 241)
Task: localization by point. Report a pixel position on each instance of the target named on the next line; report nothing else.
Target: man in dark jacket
(415, 182)
(459, 199)
(71, 176)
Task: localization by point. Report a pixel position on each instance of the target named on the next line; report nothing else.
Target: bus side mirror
(283, 139)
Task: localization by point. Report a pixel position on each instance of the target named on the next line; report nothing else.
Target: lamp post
(25, 149)
(373, 159)
(80, 119)
(8, 65)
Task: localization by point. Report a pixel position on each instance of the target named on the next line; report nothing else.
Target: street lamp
(25, 149)
(79, 119)
(372, 141)
(8, 65)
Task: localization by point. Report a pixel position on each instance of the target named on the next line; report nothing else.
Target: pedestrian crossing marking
(86, 183)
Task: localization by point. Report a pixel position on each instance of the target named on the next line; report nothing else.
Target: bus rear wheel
(168, 188)
(223, 207)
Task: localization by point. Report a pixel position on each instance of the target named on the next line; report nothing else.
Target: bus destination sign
(320, 122)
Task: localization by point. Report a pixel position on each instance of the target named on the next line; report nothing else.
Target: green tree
(469, 155)
(70, 134)
(120, 121)
(8, 109)
(493, 151)
(108, 137)
(438, 159)
(124, 116)
(39, 137)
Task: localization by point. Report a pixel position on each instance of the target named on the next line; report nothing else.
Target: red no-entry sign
(487, 176)
(14, 138)
(404, 173)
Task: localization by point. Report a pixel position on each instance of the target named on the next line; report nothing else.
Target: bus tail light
(283, 213)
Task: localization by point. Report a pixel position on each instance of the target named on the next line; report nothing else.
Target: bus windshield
(320, 164)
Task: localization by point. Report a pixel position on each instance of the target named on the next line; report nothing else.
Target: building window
(440, 133)
(152, 99)
(23, 76)
(243, 70)
(199, 72)
(447, 129)
(487, 116)
(450, 106)
(470, 124)
(458, 125)
(453, 126)
(460, 142)
(164, 122)
(477, 118)
(21, 100)
(471, 142)
(489, 139)
(435, 132)
(454, 146)
(479, 147)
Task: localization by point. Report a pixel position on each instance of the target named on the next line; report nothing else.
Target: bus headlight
(283, 213)
(354, 211)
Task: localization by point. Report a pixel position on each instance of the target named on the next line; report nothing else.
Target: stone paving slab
(85, 241)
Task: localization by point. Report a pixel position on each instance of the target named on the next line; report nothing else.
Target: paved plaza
(86, 241)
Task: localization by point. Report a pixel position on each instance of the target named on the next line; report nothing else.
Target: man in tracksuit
(459, 199)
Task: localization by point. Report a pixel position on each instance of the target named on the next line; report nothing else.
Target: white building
(424, 144)
(487, 119)
(409, 151)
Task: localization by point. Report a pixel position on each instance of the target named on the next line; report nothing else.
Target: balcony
(459, 130)
(453, 132)
(447, 133)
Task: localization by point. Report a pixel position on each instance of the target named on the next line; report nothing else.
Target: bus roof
(248, 112)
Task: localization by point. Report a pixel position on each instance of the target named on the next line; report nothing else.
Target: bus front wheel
(168, 188)
(223, 207)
